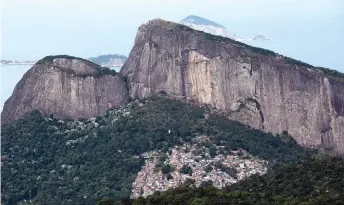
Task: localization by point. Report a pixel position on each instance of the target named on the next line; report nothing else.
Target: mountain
(46, 160)
(205, 25)
(111, 60)
(66, 87)
(266, 91)
(255, 86)
(202, 24)
(187, 108)
(196, 20)
(260, 37)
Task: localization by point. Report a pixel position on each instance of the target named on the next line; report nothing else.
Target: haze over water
(10, 76)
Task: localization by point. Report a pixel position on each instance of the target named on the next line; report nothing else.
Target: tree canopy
(80, 162)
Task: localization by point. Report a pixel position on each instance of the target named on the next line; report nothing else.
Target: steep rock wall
(66, 88)
(256, 87)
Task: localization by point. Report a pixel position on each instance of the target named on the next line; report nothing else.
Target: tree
(167, 168)
(206, 183)
(186, 170)
(106, 201)
(212, 152)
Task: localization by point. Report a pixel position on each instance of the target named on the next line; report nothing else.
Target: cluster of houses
(204, 168)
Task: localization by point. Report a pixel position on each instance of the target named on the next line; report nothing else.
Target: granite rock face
(254, 86)
(67, 88)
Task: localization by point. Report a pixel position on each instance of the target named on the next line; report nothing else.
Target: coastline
(17, 63)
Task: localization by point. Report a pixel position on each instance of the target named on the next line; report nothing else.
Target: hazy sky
(310, 30)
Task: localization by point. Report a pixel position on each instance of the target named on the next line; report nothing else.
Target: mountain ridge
(196, 68)
(186, 107)
(208, 26)
(202, 21)
(266, 91)
(202, 24)
(170, 25)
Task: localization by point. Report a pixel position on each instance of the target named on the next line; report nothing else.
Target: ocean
(10, 75)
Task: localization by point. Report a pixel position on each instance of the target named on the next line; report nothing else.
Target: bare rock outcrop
(66, 87)
(255, 86)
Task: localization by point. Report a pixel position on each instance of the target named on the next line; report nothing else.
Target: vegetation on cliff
(49, 59)
(50, 161)
(101, 71)
(288, 60)
(315, 181)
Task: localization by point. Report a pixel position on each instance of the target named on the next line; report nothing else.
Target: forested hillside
(50, 161)
(311, 182)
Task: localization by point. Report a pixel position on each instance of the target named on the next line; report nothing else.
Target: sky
(309, 30)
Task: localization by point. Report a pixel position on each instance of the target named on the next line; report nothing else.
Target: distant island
(110, 60)
(10, 62)
(208, 26)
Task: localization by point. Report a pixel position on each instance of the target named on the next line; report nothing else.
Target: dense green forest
(49, 161)
(312, 182)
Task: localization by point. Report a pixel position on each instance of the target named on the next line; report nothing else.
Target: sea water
(10, 76)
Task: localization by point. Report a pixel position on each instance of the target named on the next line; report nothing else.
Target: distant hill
(197, 20)
(110, 60)
(260, 37)
(12, 62)
(208, 26)
(187, 107)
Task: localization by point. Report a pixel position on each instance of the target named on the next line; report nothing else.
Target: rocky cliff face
(67, 88)
(257, 87)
